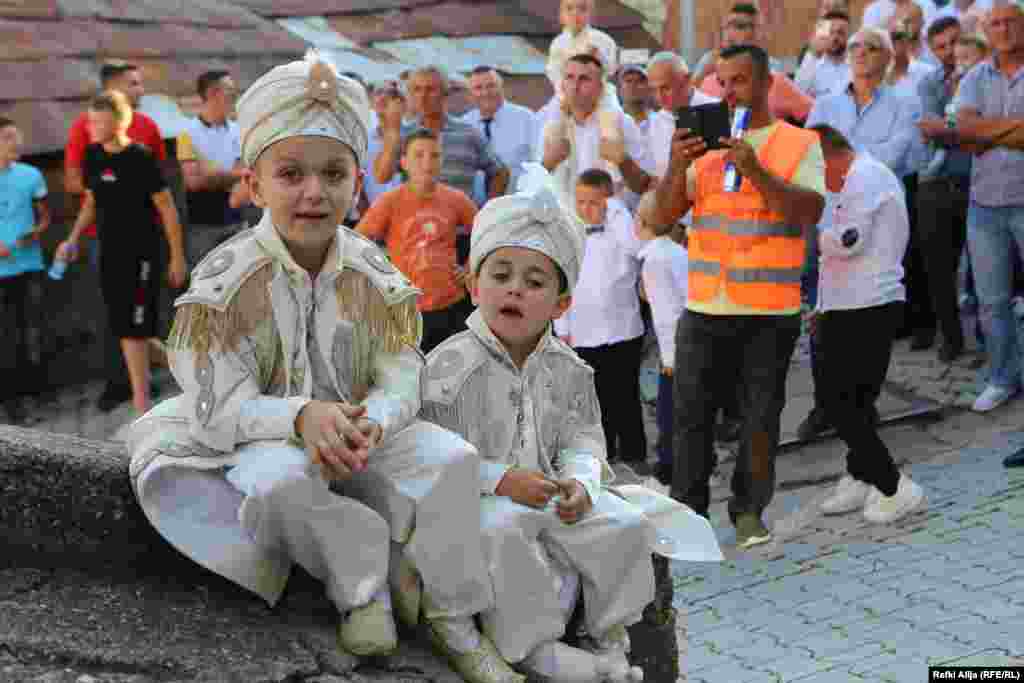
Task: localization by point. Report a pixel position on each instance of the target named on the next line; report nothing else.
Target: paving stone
(795, 667)
(734, 673)
(1007, 635)
(989, 658)
(979, 577)
(703, 657)
(822, 610)
(930, 614)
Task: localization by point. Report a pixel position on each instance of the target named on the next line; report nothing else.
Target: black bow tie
(594, 229)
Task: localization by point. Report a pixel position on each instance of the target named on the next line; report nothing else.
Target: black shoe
(663, 473)
(16, 411)
(950, 352)
(813, 425)
(923, 339)
(113, 396)
(1015, 460)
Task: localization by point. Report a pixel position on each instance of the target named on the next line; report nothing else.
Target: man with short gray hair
(993, 91)
(669, 78)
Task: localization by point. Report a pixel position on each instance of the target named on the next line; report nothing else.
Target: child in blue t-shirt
(23, 218)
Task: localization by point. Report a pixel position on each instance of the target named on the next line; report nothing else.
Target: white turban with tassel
(306, 97)
(532, 218)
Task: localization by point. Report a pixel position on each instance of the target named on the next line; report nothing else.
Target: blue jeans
(664, 419)
(992, 235)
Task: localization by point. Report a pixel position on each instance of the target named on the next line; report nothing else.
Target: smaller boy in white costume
(528, 403)
(579, 37)
(296, 348)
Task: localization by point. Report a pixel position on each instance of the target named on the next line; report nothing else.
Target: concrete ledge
(67, 502)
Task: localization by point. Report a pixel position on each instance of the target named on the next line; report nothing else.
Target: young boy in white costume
(579, 37)
(296, 350)
(528, 403)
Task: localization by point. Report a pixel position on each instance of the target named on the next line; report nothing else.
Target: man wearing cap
(511, 129)
(296, 350)
(746, 249)
(635, 94)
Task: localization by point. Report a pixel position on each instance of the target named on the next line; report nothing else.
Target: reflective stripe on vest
(781, 276)
(741, 228)
(704, 267)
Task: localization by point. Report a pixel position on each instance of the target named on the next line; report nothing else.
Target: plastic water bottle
(740, 121)
(59, 265)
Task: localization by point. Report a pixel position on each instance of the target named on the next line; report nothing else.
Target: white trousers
(531, 555)
(289, 509)
(425, 481)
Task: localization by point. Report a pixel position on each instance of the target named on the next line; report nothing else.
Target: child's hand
(527, 488)
(575, 502)
(371, 430)
(332, 439)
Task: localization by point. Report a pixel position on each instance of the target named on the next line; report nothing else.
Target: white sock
(458, 633)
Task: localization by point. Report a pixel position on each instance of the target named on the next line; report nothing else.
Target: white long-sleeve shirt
(605, 305)
(863, 244)
(665, 269)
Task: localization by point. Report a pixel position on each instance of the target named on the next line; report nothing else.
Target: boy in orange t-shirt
(417, 221)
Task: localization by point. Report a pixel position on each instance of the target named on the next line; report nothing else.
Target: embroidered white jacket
(256, 338)
(545, 416)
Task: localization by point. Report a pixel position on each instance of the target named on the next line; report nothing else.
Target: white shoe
(480, 664)
(885, 509)
(849, 494)
(992, 398)
(369, 631)
(560, 663)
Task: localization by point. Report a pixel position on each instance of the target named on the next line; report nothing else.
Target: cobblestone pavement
(840, 600)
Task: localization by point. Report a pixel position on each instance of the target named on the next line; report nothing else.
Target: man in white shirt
(859, 311)
(669, 78)
(210, 150)
(603, 324)
(511, 129)
(828, 72)
(635, 94)
(578, 146)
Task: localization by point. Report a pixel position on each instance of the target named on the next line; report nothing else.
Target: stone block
(67, 502)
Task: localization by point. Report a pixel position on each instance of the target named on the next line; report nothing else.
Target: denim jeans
(993, 233)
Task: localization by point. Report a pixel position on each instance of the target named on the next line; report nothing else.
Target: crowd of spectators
(882, 190)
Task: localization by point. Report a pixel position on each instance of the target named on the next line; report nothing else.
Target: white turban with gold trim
(307, 97)
(533, 218)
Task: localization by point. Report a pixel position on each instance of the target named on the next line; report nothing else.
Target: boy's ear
(252, 182)
(564, 301)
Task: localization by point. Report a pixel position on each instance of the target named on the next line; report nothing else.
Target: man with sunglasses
(874, 119)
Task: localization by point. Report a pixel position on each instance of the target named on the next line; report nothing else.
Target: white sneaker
(885, 509)
(992, 398)
(850, 494)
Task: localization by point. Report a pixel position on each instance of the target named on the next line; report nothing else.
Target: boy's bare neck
(423, 189)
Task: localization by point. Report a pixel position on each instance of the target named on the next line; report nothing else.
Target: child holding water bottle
(23, 219)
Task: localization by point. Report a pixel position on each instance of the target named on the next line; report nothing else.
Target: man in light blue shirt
(23, 218)
(994, 90)
(876, 120)
(511, 129)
